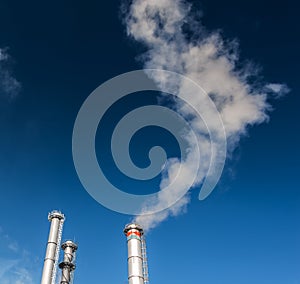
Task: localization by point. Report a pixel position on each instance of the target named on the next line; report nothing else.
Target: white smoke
(9, 86)
(176, 41)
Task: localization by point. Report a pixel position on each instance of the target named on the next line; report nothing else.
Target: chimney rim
(69, 243)
(56, 214)
(133, 226)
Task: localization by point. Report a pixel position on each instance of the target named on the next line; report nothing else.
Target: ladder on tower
(145, 261)
(53, 276)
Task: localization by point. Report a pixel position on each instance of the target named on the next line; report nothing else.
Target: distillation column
(49, 271)
(134, 233)
(67, 265)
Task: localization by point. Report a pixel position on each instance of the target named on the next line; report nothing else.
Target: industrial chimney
(52, 253)
(67, 265)
(137, 260)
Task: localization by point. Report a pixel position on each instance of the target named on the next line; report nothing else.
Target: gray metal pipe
(67, 266)
(56, 218)
(134, 233)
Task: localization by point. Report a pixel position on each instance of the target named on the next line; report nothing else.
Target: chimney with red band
(134, 233)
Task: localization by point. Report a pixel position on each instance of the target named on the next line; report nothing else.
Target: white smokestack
(134, 234)
(177, 42)
(52, 253)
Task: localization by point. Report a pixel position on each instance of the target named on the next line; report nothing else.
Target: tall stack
(134, 233)
(67, 265)
(52, 252)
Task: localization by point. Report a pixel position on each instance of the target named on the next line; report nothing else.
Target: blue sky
(246, 231)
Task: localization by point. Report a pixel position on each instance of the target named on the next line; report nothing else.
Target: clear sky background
(247, 231)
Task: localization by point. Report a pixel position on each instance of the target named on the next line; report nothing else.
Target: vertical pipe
(67, 265)
(56, 218)
(134, 233)
(145, 260)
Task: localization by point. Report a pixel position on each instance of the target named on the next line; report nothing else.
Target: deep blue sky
(247, 231)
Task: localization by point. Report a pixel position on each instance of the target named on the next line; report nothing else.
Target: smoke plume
(175, 40)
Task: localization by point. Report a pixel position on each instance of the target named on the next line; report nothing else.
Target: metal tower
(137, 258)
(52, 252)
(67, 265)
